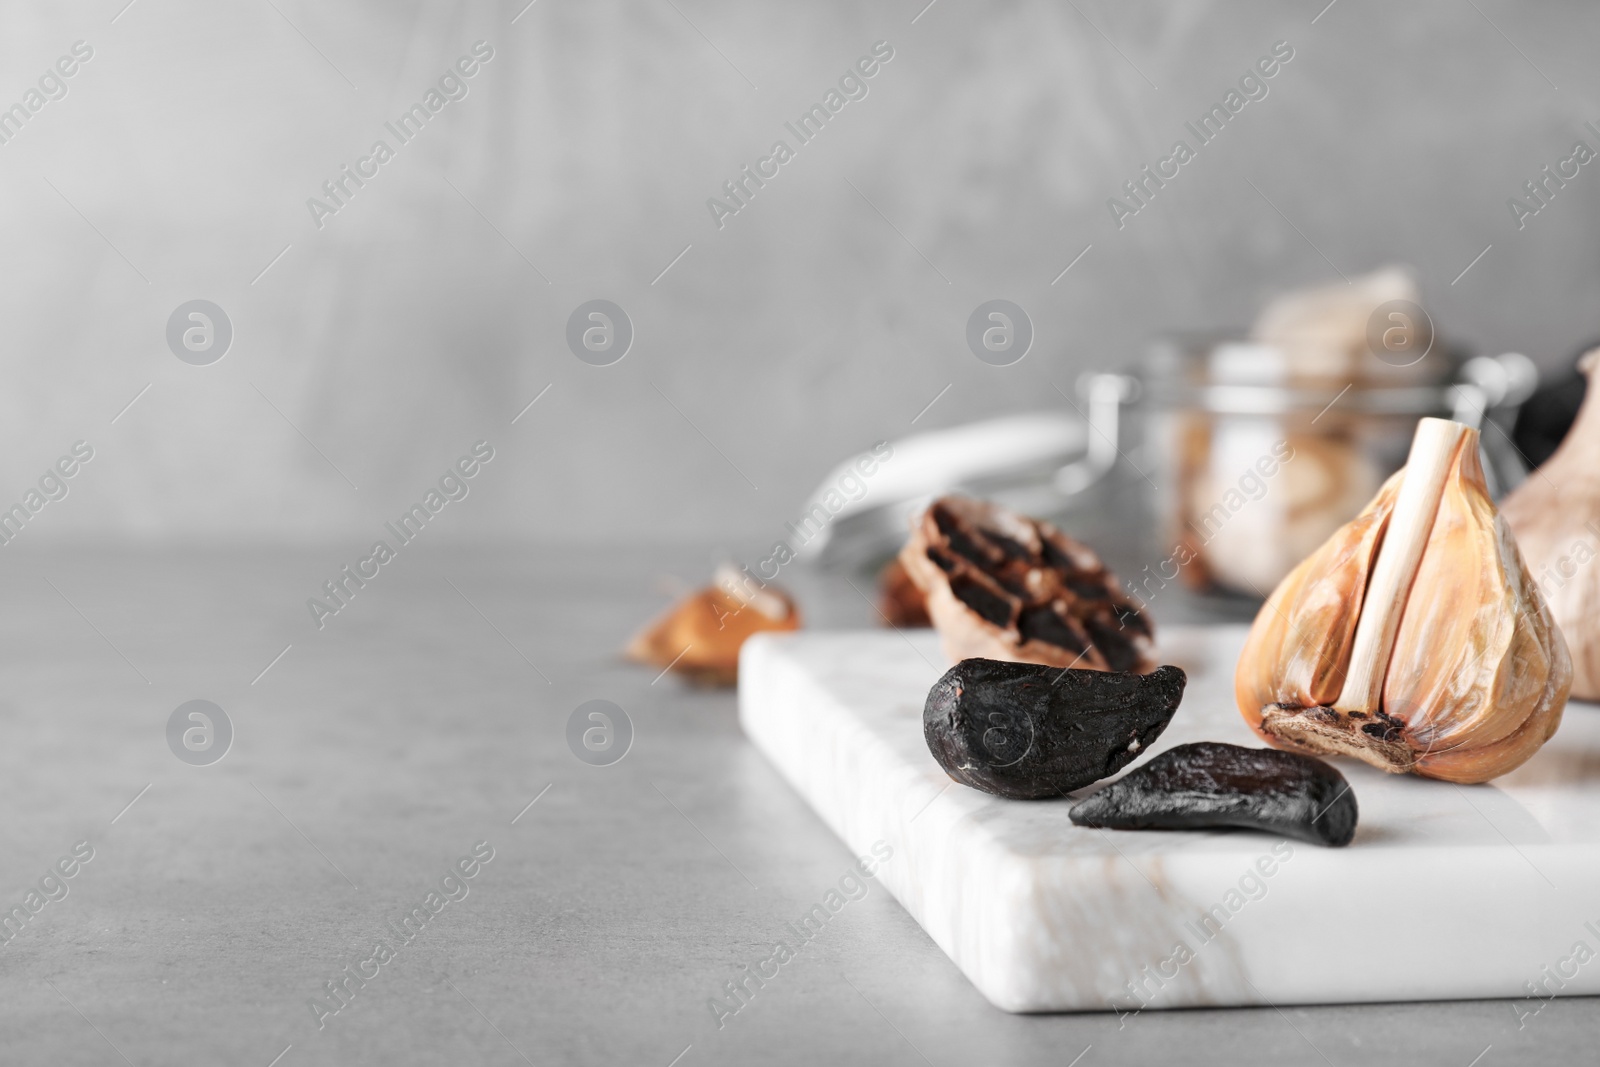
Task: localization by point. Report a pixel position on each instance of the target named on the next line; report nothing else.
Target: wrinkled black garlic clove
(1208, 786)
(1028, 731)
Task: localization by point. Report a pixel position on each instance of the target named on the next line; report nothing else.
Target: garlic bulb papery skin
(1415, 639)
(1556, 517)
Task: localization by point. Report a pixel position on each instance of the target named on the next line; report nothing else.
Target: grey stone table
(425, 718)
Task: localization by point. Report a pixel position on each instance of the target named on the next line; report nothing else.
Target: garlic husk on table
(700, 636)
(1415, 639)
(1556, 517)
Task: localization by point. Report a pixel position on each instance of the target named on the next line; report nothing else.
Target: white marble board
(1447, 892)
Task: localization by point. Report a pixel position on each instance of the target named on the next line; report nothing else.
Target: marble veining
(1447, 891)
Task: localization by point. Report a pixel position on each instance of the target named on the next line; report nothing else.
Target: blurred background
(372, 350)
(154, 153)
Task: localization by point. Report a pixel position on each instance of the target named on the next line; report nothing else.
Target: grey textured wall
(432, 307)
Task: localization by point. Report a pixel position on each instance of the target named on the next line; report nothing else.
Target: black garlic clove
(1028, 731)
(1208, 786)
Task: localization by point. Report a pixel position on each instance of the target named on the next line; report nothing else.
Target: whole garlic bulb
(1415, 639)
(1556, 517)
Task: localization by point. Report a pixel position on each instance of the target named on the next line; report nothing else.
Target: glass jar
(1253, 468)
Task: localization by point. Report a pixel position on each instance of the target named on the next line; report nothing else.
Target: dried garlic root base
(1415, 639)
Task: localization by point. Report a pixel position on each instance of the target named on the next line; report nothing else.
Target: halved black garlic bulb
(1028, 731)
(1001, 585)
(1208, 786)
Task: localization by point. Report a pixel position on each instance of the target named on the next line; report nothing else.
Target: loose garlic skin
(700, 636)
(1471, 674)
(1556, 517)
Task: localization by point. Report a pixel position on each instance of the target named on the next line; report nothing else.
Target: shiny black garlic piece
(1208, 786)
(1028, 731)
